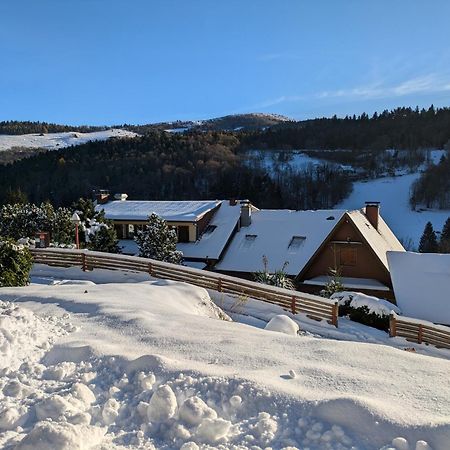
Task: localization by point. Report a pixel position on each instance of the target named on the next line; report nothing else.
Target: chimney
(121, 197)
(373, 213)
(232, 202)
(102, 197)
(246, 213)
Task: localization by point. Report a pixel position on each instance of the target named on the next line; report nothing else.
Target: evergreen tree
(444, 244)
(158, 241)
(428, 241)
(15, 263)
(104, 239)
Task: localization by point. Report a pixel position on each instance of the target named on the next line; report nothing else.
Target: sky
(105, 62)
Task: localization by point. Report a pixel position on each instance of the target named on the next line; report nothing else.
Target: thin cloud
(427, 84)
(430, 83)
(277, 56)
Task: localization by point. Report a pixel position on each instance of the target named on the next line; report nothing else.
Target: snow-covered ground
(287, 160)
(55, 141)
(114, 360)
(393, 193)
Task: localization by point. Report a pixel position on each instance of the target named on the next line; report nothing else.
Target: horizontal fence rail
(421, 332)
(313, 306)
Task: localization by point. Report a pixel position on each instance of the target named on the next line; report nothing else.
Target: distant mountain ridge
(232, 122)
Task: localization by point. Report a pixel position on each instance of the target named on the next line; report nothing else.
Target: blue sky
(141, 61)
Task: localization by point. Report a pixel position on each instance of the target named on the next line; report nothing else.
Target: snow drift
(155, 364)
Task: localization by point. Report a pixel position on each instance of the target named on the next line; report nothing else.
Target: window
(248, 240)
(183, 234)
(296, 243)
(348, 256)
(209, 229)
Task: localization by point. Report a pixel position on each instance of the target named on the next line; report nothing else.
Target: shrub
(15, 263)
(278, 278)
(361, 308)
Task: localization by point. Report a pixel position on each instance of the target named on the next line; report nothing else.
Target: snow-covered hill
(117, 362)
(54, 141)
(393, 193)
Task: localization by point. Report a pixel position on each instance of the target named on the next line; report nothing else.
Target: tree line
(26, 127)
(400, 128)
(432, 189)
(164, 166)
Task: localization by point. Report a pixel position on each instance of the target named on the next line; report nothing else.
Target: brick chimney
(246, 213)
(373, 213)
(102, 197)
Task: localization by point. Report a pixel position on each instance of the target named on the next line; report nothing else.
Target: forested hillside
(211, 164)
(401, 128)
(161, 165)
(432, 189)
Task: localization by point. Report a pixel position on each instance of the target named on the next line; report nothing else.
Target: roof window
(209, 229)
(248, 240)
(296, 243)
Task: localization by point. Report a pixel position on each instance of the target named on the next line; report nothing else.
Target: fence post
(150, 269)
(83, 262)
(420, 334)
(219, 285)
(293, 305)
(334, 314)
(392, 325)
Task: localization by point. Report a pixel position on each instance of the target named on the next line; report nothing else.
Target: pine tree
(158, 241)
(104, 240)
(444, 244)
(428, 241)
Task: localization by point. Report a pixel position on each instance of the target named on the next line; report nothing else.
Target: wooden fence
(313, 306)
(419, 331)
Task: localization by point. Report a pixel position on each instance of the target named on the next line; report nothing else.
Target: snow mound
(283, 324)
(61, 436)
(24, 336)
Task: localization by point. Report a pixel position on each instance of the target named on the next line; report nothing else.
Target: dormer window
(296, 243)
(248, 240)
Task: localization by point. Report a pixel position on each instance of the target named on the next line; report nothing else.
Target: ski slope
(393, 193)
(114, 360)
(55, 141)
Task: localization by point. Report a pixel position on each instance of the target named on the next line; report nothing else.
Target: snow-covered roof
(175, 211)
(381, 240)
(422, 284)
(349, 283)
(281, 235)
(214, 239)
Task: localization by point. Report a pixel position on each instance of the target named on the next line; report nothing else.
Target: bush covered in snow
(15, 263)
(365, 309)
(332, 286)
(278, 278)
(158, 241)
(25, 220)
(98, 232)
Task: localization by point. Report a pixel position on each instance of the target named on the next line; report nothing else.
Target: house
(204, 228)
(189, 218)
(422, 284)
(232, 237)
(311, 243)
